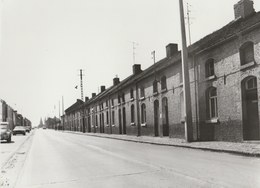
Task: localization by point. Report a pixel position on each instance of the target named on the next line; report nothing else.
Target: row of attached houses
(224, 70)
(8, 114)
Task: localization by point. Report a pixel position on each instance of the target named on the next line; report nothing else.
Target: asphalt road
(59, 159)
(7, 149)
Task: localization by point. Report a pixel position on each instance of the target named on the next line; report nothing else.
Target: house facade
(224, 70)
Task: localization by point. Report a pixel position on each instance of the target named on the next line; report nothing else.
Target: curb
(234, 152)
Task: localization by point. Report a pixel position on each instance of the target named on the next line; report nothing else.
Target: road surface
(60, 159)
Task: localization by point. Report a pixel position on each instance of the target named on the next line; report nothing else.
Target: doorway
(156, 118)
(165, 117)
(250, 109)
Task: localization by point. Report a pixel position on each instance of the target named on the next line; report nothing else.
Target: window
(142, 92)
(123, 98)
(119, 99)
(209, 68)
(106, 103)
(246, 52)
(155, 86)
(251, 83)
(96, 120)
(112, 102)
(113, 117)
(107, 118)
(132, 113)
(143, 113)
(163, 83)
(212, 103)
(131, 94)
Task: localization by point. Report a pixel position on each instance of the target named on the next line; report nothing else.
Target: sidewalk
(241, 148)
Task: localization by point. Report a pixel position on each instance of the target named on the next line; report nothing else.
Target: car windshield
(3, 126)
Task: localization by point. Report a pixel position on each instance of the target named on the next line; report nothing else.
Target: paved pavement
(248, 148)
(61, 159)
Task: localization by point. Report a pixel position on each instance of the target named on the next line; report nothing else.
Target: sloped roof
(229, 31)
(75, 106)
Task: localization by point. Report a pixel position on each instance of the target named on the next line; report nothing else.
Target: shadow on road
(5, 142)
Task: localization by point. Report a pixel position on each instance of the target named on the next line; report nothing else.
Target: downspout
(138, 110)
(109, 111)
(196, 97)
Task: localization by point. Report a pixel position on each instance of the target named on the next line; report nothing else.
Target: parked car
(28, 129)
(19, 130)
(6, 133)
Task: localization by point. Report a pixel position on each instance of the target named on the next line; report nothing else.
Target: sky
(44, 44)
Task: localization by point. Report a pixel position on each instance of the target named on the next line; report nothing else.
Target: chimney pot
(86, 99)
(244, 8)
(116, 81)
(93, 95)
(102, 88)
(136, 69)
(171, 49)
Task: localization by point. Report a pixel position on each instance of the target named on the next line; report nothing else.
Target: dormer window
(246, 52)
(209, 68)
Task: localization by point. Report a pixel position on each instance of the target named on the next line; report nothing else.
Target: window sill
(132, 124)
(143, 125)
(132, 99)
(112, 106)
(155, 93)
(142, 98)
(210, 77)
(245, 66)
(181, 84)
(164, 90)
(122, 103)
(107, 125)
(113, 125)
(212, 121)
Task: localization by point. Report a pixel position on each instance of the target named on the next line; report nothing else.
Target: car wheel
(14, 134)
(9, 139)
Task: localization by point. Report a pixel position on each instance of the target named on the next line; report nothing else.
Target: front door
(250, 110)
(124, 121)
(156, 118)
(165, 117)
(120, 121)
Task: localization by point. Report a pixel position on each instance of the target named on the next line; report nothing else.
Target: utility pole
(134, 48)
(81, 84)
(188, 19)
(82, 114)
(62, 106)
(186, 79)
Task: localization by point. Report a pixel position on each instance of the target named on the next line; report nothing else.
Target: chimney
(102, 88)
(171, 49)
(136, 69)
(93, 95)
(244, 8)
(116, 81)
(86, 99)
